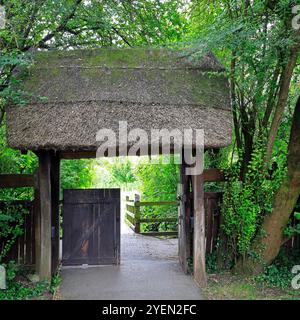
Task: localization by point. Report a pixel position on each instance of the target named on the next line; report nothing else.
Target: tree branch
(283, 96)
(62, 26)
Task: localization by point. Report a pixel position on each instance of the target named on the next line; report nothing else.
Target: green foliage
(293, 229)
(212, 262)
(279, 273)
(252, 40)
(121, 172)
(19, 287)
(246, 203)
(158, 182)
(12, 161)
(11, 226)
(55, 283)
(77, 174)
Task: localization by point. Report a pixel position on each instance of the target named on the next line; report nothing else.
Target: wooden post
(55, 190)
(184, 239)
(137, 214)
(199, 230)
(37, 224)
(43, 217)
(187, 192)
(181, 214)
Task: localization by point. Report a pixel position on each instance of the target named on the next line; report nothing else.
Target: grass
(225, 286)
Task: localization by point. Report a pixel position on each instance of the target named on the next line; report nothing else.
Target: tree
(122, 172)
(68, 24)
(271, 236)
(260, 49)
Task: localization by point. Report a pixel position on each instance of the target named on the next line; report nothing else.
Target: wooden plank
(182, 245)
(91, 227)
(16, 180)
(32, 236)
(77, 155)
(55, 219)
(43, 248)
(188, 214)
(213, 195)
(199, 231)
(28, 220)
(130, 225)
(213, 175)
(130, 214)
(21, 246)
(37, 225)
(130, 208)
(209, 224)
(137, 214)
(130, 219)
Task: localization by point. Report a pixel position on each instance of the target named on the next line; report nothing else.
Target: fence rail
(212, 219)
(17, 180)
(134, 218)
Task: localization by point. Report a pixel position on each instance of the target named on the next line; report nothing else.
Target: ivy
(11, 226)
(246, 203)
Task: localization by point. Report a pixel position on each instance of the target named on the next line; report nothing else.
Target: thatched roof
(73, 94)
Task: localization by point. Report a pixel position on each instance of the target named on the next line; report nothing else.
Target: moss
(164, 77)
(130, 58)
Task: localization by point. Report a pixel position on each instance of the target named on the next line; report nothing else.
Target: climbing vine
(246, 203)
(11, 226)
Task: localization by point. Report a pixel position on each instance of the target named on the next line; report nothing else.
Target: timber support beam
(199, 230)
(47, 214)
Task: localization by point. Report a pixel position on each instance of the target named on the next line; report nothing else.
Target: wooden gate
(91, 226)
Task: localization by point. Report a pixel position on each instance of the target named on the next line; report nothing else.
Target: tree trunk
(268, 243)
(283, 96)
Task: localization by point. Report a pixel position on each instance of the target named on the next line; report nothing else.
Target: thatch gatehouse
(73, 94)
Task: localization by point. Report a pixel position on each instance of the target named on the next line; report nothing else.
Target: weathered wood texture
(213, 175)
(27, 248)
(55, 212)
(16, 180)
(43, 221)
(199, 231)
(212, 202)
(91, 226)
(212, 205)
(184, 219)
(134, 218)
(23, 251)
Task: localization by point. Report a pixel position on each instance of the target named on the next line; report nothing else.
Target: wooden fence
(212, 201)
(23, 250)
(212, 219)
(134, 218)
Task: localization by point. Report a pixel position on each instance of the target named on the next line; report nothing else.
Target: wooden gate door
(91, 226)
